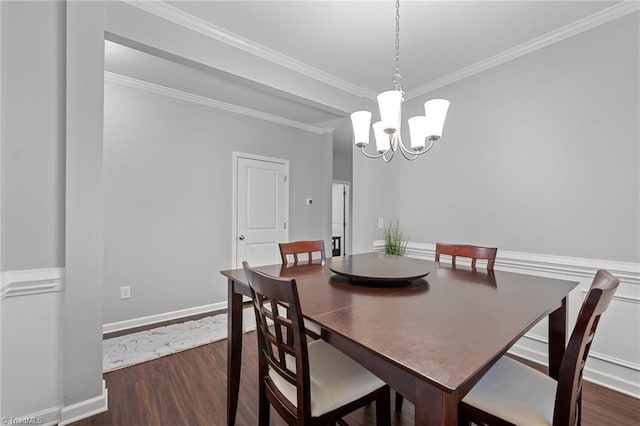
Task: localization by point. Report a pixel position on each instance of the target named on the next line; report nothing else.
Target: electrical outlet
(380, 223)
(125, 292)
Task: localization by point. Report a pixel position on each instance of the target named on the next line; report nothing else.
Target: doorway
(341, 218)
(260, 208)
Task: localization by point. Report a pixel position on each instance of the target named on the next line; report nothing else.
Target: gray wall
(53, 72)
(342, 149)
(539, 155)
(33, 157)
(168, 197)
(32, 230)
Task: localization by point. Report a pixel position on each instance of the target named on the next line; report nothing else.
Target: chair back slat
(301, 247)
(568, 395)
(281, 334)
(469, 251)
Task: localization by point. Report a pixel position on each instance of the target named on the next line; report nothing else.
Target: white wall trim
(581, 25)
(165, 316)
(603, 369)
(620, 298)
(87, 408)
(31, 281)
(206, 28)
(47, 417)
(213, 103)
(628, 272)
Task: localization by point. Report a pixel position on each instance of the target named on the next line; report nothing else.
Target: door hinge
(285, 178)
(285, 225)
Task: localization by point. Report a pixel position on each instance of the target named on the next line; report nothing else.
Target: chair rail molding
(31, 281)
(612, 369)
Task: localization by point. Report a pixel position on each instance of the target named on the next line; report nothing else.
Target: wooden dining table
(430, 339)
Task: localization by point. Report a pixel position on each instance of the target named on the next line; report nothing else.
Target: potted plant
(395, 242)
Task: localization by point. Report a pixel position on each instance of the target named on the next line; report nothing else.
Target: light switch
(380, 223)
(309, 201)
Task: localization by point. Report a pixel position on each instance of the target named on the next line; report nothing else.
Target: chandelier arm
(414, 153)
(406, 153)
(372, 156)
(386, 160)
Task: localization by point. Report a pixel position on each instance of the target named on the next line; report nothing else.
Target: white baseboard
(87, 408)
(618, 371)
(46, 417)
(165, 316)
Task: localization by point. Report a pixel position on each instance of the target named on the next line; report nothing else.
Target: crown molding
(555, 36)
(177, 16)
(206, 28)
(190, 97)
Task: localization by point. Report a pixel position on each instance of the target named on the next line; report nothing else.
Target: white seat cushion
(516, 393)
(313, 327)
(335, 379)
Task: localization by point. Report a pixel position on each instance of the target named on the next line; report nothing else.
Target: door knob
(241, 237)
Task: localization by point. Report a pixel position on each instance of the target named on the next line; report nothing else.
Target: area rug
(135, 348)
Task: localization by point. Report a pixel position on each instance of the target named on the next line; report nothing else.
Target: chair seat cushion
(516, 393)
(335, 379)
(313, 327)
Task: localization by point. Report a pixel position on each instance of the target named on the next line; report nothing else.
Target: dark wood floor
(189, 388)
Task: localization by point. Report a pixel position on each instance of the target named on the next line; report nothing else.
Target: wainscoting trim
(628, 272)
(31, 281)
(165, 316)
(534, 347)
(213, 103)
(87, 408)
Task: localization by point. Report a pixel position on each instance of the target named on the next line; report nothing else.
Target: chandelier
(422, 129)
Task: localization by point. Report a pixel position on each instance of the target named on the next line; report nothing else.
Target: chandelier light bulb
(360, 121)
(435, 112)
(417, 132)
(382, 139)
(390, 105)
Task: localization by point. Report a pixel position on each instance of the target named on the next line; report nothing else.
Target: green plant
(394, 240)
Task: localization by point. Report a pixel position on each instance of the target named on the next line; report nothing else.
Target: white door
(262, 198)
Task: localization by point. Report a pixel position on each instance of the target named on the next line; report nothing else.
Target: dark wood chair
(469, 251)
(306, 383)
(304, 247)
(301, 247)
(460, 250)
(512, 393)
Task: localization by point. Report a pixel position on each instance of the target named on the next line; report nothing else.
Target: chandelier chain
(397, 79)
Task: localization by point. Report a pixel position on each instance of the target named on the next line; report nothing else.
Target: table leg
(434, 407)
(234, 351)
(557, 338)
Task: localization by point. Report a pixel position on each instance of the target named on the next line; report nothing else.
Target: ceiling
(352, 41)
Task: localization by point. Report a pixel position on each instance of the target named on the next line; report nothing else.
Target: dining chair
(469, 251)
(513, 393)
(301, 247)
(460, 250)
(307, 383)
(304, 247)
